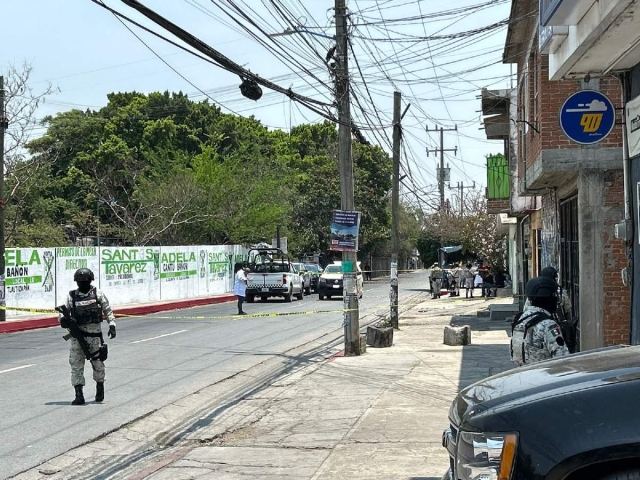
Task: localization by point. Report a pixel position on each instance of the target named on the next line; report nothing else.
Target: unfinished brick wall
(617, 297)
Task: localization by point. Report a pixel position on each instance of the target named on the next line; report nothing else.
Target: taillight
(284, 279)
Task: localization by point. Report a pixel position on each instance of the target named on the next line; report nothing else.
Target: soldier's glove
(64, 323)
(112, 331)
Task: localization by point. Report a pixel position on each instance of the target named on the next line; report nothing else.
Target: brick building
(567, 196)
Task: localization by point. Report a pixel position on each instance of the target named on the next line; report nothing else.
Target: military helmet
(541, 287)
(549, 272)
(83, 275)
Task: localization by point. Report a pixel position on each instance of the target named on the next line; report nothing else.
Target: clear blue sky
(87, 53)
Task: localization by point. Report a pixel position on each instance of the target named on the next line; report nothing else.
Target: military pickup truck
(272, 275)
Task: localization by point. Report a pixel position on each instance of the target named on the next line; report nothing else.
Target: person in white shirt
(240, 287)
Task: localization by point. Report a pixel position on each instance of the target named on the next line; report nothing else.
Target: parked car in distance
(305, 275)
(315, 271)
(330, 281)
(570, 418)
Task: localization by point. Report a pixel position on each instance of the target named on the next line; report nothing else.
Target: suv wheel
(289, 296)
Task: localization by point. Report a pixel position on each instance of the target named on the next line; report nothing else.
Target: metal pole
(395, 208)
(98, 218)
(3, 127)
(461, 199)
(347, 200)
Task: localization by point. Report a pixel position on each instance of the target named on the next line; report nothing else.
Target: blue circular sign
(587, 117)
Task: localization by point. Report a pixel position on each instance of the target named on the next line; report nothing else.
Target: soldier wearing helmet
(535, 334)
(88, 306)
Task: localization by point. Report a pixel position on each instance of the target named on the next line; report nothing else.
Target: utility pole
(461, 188)
(442, 173)
(347, 198)
(395, 205)
(3, 126)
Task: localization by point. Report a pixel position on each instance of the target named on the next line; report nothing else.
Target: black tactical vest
(86, 309)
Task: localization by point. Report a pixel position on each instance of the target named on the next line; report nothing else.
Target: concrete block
(500, 312)
(379, 337)
(455, 336)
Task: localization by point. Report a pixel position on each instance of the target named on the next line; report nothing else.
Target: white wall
(40, 278)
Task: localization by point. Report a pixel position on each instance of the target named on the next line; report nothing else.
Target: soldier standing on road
(536, 335)
(88, 306)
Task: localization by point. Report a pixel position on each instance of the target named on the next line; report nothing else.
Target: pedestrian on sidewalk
(469, 278)
(535, 334)
(488, 285)
(87, 307)
(240, 285)
(367, 272)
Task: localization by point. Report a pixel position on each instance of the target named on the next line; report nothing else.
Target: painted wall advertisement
(345, 227)
(68, 260)
(178, 272)
(30, 279)
(41, 278)
(130, 275)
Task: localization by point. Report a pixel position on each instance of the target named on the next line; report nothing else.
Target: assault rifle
(75, 332)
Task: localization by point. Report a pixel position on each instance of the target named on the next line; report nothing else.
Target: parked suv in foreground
(571, 418)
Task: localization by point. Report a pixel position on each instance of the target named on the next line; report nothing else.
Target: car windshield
(333, 269)
(312, 268)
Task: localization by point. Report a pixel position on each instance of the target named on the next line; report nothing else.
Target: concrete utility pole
(461, 188)
(347, 197)
(3, 127)
(395, 207)
(442, 150)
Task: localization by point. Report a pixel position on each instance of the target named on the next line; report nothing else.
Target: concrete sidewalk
(378, 416)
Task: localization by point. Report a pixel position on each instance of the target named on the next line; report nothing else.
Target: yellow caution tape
(30, 310)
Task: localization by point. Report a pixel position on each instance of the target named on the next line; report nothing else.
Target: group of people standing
(466, 276)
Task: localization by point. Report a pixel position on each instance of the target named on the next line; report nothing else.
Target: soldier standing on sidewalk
(535, 334)
(436, 281)
(88, 306)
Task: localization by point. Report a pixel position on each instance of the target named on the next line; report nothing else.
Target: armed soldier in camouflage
(536, 335)
(87, 306)
(436, 280)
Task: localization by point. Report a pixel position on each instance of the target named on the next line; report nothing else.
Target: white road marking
(159, 336)
(16, 368)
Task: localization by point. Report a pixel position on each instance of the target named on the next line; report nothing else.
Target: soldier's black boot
(79, 400)
(99, 391)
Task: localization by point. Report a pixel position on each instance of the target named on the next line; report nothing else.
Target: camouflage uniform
(76, 355)
(436, 282)
(456, 274)
(543, 340)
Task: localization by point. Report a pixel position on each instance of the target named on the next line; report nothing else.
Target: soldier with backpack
(535, 334)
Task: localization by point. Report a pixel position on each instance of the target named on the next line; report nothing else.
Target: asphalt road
(153, 361)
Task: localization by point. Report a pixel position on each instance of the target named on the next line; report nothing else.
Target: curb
(34, 323)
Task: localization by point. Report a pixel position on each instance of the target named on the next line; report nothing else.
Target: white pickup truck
(272, 275)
